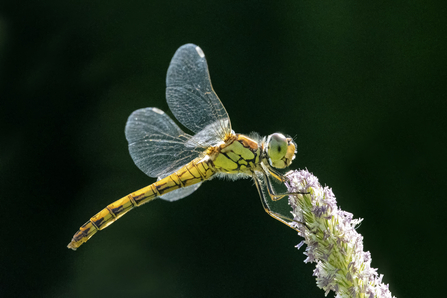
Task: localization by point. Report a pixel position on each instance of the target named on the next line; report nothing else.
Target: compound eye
(277, 146)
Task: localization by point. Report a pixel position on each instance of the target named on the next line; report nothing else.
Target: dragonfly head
(280, 150)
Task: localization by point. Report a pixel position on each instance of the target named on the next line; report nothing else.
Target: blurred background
(361, 87)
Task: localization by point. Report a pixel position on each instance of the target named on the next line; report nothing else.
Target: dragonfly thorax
(279, 150)
(238, 155)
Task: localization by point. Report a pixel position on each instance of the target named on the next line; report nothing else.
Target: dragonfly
(182, 162)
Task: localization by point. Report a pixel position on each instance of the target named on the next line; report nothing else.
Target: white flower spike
(332, 241)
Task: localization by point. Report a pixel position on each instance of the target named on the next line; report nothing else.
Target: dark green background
(362, 86)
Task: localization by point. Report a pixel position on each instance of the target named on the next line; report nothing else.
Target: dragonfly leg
(273, 195)
(277, 175)
(265, 204)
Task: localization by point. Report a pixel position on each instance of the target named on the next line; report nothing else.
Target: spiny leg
(265, 204)
(273, 195)
(277, 175)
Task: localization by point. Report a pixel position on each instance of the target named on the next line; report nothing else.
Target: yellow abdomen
(192, 173)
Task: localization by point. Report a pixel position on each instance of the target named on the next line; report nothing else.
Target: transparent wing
(206, 137)
(190, 95)
(157, 144)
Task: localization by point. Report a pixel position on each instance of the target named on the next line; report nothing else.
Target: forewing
(157, 144)
(190, 95)
(206, 137)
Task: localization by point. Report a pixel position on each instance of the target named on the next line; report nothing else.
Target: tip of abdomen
(73, 245)
(85, 233)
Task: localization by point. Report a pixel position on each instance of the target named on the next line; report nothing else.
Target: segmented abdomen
(192, 173)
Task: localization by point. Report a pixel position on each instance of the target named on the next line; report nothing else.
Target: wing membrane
(206, 137)
(190, 95)
(157, 144)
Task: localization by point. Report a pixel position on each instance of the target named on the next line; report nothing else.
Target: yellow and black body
(181, 161)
